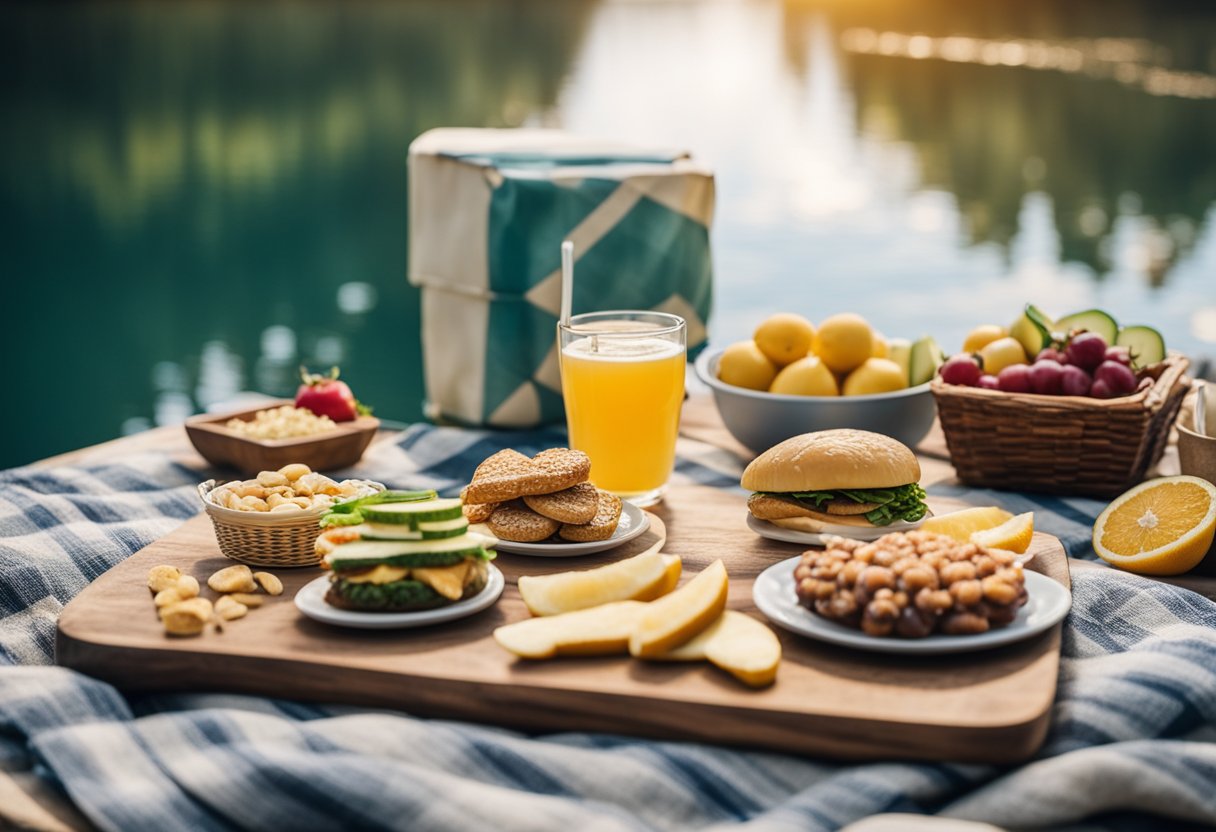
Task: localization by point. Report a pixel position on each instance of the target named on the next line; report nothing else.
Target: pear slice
(640, 578)
(677, 617)
(598, 631)
(736, 643)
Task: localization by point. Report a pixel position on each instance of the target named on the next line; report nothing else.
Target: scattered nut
(187, 618)
(168, 597)
(162, 577)
(269, 582)
(229, 609)
(233, 579)
(246, 598)
(187, 586)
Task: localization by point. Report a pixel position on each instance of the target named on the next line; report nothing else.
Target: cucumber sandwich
(401, 551)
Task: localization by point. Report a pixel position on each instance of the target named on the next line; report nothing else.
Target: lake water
(196, 198)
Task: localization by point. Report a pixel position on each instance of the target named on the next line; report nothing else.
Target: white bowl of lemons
(794, 377)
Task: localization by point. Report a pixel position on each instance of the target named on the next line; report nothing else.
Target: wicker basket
(268, 538)
(1060, 444)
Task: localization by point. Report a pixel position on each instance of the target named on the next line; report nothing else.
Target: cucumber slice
(386, 531)
(380, 551)
(1094, 320)
(413, 513)
(926, 357)
(438, 529)
(1144, 344)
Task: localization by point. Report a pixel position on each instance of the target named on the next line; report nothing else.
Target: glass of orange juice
(623, 383)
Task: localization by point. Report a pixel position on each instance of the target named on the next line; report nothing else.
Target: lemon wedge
(962, 524)
(677, 617)
(1161, 527)
(736, 643)
(1014, 534)
(599, 631)
(641, 578)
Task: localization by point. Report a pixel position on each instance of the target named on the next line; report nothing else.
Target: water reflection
(1053, 98)
(200, 198)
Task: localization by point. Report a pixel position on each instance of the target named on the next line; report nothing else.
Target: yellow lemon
(1161, 527)
(1014, 535)
(1002, 353)
(784, 337)
(962, 524)
(743, 365)
(805, 377)
(844, 342)
(876, 375)
(982, 336)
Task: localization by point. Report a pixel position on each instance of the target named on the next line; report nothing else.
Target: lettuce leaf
(906, 502)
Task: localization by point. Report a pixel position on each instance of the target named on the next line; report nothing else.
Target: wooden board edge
(541, 710)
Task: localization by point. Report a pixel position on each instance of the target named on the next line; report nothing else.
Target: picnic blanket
(1132, 743)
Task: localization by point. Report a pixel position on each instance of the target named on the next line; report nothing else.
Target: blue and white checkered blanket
(1132, 744)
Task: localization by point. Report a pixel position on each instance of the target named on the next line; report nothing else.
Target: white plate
(633, 522)
(310, 600)
(772, 532)
(773, 592)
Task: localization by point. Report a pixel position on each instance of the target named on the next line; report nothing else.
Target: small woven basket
(268, 538)
(1060, 444)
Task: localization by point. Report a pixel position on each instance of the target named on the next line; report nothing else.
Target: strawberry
(326, 396)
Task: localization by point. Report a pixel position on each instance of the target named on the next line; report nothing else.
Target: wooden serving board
(990, 706)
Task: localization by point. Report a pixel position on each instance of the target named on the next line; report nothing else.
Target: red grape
(1045, 377)
(1119, 354)
(1051, 354)
(989, 382)
(1015, 379)
(1120, 380)
(961, 369)
(1087, 350)
(1074, 381)
(1101, 390)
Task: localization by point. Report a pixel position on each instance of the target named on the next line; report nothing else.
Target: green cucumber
(1144, 344)
(1092, 320)
(380, 550)
(386, 531)
(926, 357)
(386, 496)
(413, 513)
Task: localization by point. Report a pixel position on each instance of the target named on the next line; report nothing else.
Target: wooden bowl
(338, 448)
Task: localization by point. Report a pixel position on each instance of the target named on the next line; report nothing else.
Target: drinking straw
(567, 280)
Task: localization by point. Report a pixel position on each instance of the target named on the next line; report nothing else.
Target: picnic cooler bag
(489, 210)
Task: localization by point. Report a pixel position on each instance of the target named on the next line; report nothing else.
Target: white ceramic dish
(310, 600)
(633, 522)
(1047, 603)
(772, 532)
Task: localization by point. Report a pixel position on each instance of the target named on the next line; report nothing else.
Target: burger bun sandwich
(817, 482)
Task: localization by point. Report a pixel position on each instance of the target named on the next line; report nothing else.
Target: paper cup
(1197, 454)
